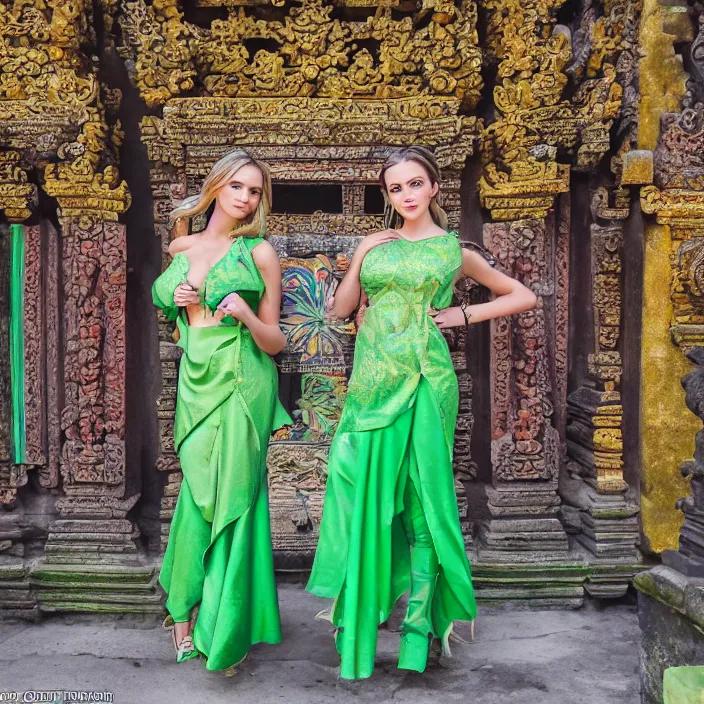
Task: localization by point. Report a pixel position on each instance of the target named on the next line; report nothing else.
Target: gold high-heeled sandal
(185, 650)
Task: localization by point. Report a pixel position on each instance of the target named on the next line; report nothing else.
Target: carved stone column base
(606, 524)
(93, 561)
(594, 437)
(531, 585)
(671, 618)
(93, 541)
(689, 559)
(524, 526)
(93, 530)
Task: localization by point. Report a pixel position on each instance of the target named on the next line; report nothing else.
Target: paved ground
(548, 657)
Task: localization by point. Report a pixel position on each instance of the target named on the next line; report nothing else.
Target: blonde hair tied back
(425, 158)
(221, 173)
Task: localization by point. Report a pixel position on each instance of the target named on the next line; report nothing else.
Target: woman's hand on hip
(448, 317)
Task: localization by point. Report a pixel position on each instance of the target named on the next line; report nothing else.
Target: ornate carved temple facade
(570, 133)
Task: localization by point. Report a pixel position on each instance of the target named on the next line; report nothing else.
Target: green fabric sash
(17, 342)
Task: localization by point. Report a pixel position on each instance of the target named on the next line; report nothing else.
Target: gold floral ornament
(311, 53)
(40, 58)
(82, 189)
(165, 45)
(16, 195)
(535, 120)
(51, 110)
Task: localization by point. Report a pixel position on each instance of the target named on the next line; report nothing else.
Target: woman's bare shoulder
(265, 255)
(182, 244)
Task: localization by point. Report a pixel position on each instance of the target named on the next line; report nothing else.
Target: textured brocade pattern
(398, 341)
(395, 438)
(236, 271)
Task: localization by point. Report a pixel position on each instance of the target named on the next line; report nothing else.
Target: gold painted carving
(281, 3)
(536, 125)
(81, 188)
(677, 201)
(40, 55)
(16, 195)
(200, 130)
(51, 111)
(310, 53)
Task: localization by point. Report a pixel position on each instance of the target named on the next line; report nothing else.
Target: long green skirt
(219, 553)
(363, 556)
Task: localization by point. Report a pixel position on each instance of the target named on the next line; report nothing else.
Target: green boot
(413, 654)
(417, 628)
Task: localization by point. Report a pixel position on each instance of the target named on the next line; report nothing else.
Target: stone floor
(538, 657)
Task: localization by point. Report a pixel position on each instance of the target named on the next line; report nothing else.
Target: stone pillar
(671, 596)
(525, 445)
(558, 95)
(93, 525)
(592, 485)
(675, 200)
(17, 197)
(92, 559)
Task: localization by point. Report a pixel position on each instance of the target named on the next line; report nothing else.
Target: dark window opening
(373, 200)
(305, 199)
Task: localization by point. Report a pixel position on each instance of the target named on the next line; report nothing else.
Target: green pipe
(17, 341)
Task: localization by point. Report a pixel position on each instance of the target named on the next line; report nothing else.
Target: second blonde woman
(390, 520)
(223, 288)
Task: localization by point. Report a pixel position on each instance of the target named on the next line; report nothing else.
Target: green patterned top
(236, 271)
(398, 341)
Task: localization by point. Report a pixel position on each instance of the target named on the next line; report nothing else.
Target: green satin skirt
(219, 553)
(363, 555)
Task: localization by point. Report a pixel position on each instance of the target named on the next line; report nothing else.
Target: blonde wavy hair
(221, 173)
(425, 158)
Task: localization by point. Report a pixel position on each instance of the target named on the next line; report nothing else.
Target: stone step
(94, 607)
(17, 604)
(101, 586)
(66, 547)
(88, 538)
(97, 559)
(71, 525)
(12, 594)
(72, 595)
(32, 615)
(542, 526)
(112, 573)
(530, 592)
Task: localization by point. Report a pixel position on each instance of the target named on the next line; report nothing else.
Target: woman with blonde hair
(223, 288)
(390, 518)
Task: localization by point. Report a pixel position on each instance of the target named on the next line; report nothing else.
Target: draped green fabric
(397, 427)
(219, 553)
(683, 685)
(17, 342)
